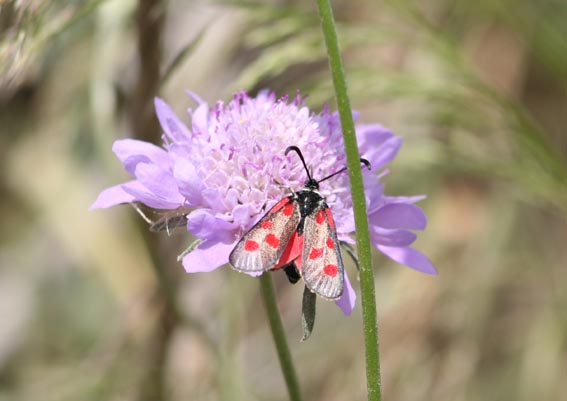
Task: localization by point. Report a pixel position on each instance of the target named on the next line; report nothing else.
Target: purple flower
(229, 168)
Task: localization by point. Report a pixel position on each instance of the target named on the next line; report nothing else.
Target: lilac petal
(194, 96)
(211, 196)
(345, 222)
(189, 182)
(345, 238)
(159, 181)
(208, 256)
(200, 120)
(409, 257)
(113, 196)
(171, 125)
(371, 136)
(374, 191)
(148, 198)
(202, 223)
(347, 300)
(241, 217)
(404, 199)
(131, 152)
(399, 215)
(397, 238)
(385, 153)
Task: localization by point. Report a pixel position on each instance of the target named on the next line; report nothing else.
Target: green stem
(279, 337)
(358, 203)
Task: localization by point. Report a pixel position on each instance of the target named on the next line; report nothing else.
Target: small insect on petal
(251, 246)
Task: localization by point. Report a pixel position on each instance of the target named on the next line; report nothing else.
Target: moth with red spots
(298, 234)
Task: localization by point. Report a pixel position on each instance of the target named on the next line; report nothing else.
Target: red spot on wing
(331, 270)
(330, 218)
(267, 224)
(320, 218)
(272, 240)
(316, 253)
(288, 209)
(330, 243)
(251, 246)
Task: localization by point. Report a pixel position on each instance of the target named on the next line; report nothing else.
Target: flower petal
(409, 257)
(241, 216)
(202, 223)
(160, 182)
(200, 119)
(370, 136)
(132, 151)
(189, 182)
(397, 238)
(212, 198)
(347, 300)
(385, 153)
(208, 256)
(148, 198)
(399, 215)
(171, 125)
(374, 191)
(345, 238)
(113, 196)
(194, 96)
(344, 222)
(404, 199)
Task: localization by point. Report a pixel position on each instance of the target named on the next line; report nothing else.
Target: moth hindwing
(260, 248)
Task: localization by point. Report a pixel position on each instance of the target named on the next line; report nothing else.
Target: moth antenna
(363, 161)
(296, 149)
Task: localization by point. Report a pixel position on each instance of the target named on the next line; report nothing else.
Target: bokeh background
(94, 307)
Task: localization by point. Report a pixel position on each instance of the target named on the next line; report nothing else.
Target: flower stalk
(278, 334)
(358, 202)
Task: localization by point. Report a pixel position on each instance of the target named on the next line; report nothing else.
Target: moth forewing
(322, 264)
(261, 247)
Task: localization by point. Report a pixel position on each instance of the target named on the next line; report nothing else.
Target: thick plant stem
(280, 341)
(358, 200)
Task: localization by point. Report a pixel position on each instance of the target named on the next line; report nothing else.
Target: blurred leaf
(27, 28)
(181, 57)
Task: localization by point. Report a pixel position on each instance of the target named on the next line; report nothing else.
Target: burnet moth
(298, 234)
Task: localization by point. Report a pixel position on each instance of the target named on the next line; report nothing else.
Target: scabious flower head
(229, 169)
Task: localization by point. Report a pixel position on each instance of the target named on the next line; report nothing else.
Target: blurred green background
(93, 307)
